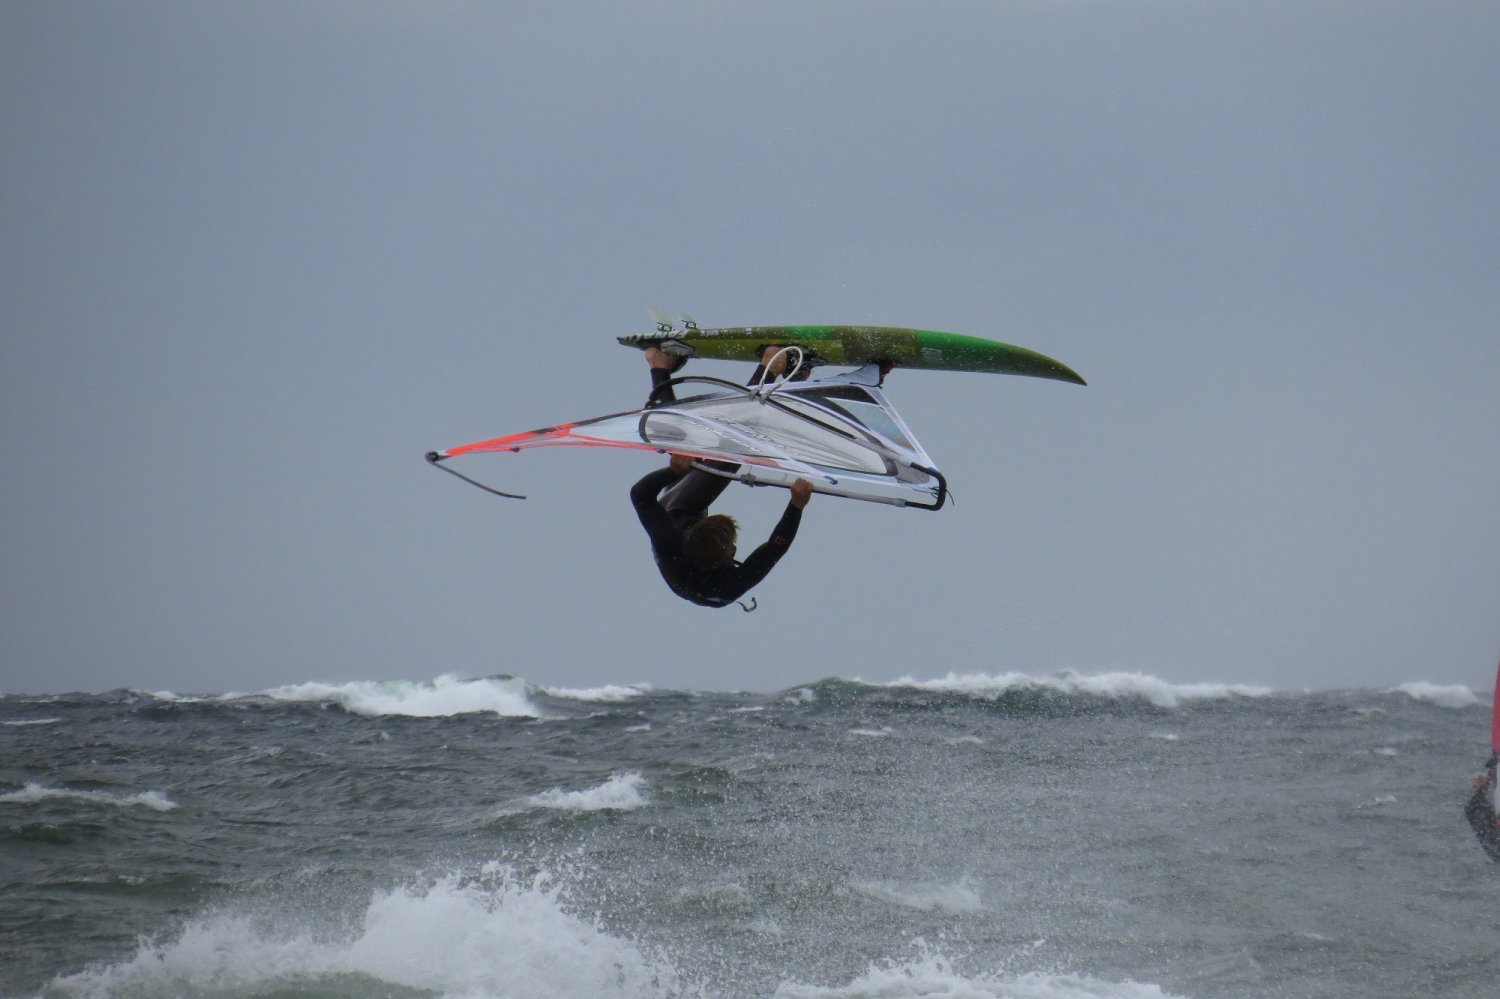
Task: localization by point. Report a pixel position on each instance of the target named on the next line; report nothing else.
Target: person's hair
(710, 542)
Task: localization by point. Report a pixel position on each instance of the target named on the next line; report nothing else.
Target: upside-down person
(695, 550)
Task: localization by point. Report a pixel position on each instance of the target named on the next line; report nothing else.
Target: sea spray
(487, 934)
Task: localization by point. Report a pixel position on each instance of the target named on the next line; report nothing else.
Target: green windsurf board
(932, 350)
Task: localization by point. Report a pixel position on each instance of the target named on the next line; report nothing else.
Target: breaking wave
(622, 792)
(447, 695)
(34, 793)
(1118, 686)
(482, 936)
(607, 694)
(1455, 696)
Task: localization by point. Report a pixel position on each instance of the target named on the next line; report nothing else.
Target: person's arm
(662, 366)
(764, 558)
(660, 377)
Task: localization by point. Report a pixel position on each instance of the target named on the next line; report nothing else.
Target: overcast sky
(258, 258)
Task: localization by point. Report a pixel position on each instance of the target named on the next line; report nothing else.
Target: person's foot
(678, 351)
(775, 358)
(668, 356)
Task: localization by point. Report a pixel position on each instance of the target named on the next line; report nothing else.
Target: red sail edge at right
(1495, 717)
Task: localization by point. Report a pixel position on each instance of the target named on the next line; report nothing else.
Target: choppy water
(1109, 837)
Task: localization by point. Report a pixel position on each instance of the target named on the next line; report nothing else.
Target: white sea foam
(607, 694)
(33, 793)
(21, 722)
(1118, 685)
(1455, 696)
(475, 938)
(935, 975)
(444, 696)
(622, 792)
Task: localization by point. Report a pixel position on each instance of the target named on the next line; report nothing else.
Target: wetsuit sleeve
(764, 558)
(659, 377)
(1480, 811)
(665, 537)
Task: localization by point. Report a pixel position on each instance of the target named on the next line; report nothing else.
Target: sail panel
(846, 439)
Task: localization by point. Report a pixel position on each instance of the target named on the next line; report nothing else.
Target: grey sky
(259, 258)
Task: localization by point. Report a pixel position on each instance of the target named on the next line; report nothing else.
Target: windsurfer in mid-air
(1480, 811)
(694, 549)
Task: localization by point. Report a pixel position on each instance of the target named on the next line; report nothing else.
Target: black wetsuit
(1480, 811)
(706, 587)
(686, 501)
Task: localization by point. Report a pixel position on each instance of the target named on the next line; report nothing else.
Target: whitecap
(608, 694)
(33, 793)
(1454, 696)
(622, 792)
(21, 722)
(442, 697)
(170, 697)
(1116, 685)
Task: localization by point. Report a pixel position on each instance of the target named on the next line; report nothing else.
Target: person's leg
(688, 499)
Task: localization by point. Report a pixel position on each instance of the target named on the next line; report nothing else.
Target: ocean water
(1036, 837)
